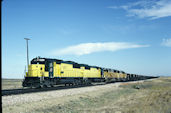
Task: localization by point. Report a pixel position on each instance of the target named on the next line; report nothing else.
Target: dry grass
(11, 83)
(145, 97)
(152, 96)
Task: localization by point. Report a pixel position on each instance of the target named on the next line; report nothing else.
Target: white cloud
(166, 42)
(151, 9)
(88, 48)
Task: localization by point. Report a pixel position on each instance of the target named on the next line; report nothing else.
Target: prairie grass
(151, 96)
(11, 83)
(146, 97)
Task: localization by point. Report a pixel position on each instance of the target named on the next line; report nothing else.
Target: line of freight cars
(46, 72)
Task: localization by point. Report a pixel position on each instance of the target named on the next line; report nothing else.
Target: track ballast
(58, 87)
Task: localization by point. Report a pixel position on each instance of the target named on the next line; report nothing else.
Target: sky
(129, 35)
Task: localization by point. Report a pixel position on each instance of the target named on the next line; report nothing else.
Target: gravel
(34, 97)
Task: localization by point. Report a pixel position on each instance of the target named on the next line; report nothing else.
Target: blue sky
(129, 35)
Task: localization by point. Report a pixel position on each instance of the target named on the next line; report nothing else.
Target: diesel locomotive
(47, 72)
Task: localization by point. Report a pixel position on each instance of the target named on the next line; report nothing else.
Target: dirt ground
(151, 96)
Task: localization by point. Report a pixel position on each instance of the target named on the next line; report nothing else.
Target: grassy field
(147, 97)
(142, 97)
(11, 83)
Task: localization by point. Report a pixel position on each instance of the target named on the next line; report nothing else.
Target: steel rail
(31, 90)
(7, 92)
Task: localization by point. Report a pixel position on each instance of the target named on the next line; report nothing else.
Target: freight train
(47, 72)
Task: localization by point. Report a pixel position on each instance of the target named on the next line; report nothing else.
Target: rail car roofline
(42, 60)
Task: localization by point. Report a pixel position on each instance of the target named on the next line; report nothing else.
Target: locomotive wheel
(40, 86)
(45, 86)
(51, 85)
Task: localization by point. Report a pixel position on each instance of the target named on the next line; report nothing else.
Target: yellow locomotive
(43, 72)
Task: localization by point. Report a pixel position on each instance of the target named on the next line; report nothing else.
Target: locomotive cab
(37, 68)
(36, 72)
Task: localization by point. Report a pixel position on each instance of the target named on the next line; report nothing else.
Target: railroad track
(58, 87)
(31, 90)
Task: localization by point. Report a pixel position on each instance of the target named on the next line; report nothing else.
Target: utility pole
(27, 53)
